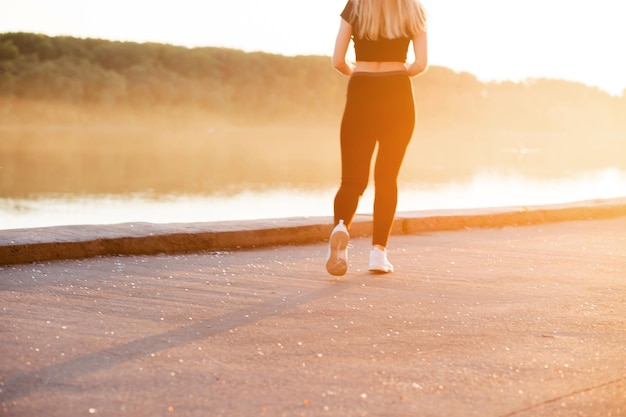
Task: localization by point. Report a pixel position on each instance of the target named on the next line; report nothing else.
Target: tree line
(259, 87)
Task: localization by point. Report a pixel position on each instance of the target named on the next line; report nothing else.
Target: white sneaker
(337, 259)
(379, 262)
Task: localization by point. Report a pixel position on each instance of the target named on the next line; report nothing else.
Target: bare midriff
(367, 66)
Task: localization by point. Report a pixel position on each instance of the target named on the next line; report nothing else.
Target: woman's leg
(356, 156)
(396, 123)
(388, 162)
(357, 147)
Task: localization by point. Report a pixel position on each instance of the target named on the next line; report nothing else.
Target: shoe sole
(379, 271)
(335, 265)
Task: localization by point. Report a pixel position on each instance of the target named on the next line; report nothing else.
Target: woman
(379, 109)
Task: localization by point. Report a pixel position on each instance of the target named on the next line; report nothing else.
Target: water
(482, 190)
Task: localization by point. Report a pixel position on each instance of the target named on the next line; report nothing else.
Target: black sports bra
(381, 50)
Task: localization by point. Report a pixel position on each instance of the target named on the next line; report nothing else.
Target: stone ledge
(20, 246)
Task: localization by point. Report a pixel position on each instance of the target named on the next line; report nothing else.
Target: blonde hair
(388, 19)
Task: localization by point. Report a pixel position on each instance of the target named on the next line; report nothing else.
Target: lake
(483, 190)
(100, 174)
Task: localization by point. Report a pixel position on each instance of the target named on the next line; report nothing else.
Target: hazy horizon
(488, 38)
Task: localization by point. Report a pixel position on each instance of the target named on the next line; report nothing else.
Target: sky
(575, 40)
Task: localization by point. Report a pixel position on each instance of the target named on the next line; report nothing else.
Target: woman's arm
(420, 48)
(341, 49)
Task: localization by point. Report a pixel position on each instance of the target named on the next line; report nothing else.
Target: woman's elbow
(338, 63)
(417, 68)
(342, 66)
(422, 67)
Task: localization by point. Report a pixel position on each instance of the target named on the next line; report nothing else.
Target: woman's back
(381, 31)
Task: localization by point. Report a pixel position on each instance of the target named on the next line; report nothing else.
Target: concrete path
(508, 321)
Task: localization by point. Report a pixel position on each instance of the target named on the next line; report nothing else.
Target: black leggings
(379, 108)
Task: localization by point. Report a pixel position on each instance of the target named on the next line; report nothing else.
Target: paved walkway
(508, 321)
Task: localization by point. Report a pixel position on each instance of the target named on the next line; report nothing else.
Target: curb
(22, 246)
